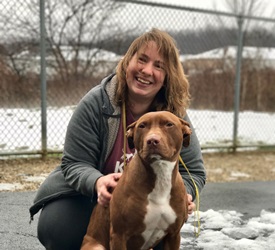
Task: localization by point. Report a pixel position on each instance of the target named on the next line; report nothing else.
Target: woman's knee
(62, 223)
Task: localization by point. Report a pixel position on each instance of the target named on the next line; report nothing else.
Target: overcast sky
(267, 5)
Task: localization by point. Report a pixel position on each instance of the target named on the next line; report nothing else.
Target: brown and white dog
(149, 203)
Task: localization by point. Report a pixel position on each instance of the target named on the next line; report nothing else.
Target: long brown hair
(174, 96)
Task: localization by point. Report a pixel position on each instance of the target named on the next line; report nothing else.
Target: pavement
(248, 198)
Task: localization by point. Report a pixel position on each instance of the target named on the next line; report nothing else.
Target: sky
(268, 5)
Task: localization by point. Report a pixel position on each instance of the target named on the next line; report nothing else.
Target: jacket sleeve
(192, 158)
(81, 160)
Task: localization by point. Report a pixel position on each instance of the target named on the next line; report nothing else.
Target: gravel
(27, 174)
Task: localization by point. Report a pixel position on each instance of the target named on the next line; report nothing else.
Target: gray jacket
(89, 140)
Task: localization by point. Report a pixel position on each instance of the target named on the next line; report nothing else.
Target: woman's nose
(147, 69)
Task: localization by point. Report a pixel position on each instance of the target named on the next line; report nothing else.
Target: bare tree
(75, 33)
(15, 36)
(244, 10)
(250, 8)
(76, 30)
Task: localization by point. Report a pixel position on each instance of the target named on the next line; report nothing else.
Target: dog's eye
(169, 124)
(142, 125)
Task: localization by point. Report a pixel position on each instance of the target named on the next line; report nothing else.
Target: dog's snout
(153, 139)
(153, 142)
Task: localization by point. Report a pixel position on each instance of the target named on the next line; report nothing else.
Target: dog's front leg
(117, 241)
(171, 242)
(91, 244)
(117, 244)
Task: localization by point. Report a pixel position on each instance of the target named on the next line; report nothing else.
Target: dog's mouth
(155, 153)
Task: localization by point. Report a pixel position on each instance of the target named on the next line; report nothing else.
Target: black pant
(63, 223)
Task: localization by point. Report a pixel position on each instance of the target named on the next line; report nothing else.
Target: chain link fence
(53, 52)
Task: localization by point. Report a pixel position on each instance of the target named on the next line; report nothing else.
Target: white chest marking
(159, 212)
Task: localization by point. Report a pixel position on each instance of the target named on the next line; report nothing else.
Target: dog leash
(124, 130)
(196, 213)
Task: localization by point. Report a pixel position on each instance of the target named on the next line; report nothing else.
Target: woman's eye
(160, 66)
(141, 59)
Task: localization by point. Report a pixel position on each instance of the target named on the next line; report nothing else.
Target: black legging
(63, 223)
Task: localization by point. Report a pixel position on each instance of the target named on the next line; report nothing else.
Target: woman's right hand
(105, 186)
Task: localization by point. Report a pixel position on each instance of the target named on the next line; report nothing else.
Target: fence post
(238, 83)
(43, 80)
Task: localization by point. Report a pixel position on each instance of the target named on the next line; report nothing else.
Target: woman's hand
(105, 186)
(191, 204)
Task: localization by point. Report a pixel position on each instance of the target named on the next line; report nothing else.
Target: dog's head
(160, 134)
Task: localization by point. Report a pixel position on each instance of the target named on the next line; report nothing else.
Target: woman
(148, 78)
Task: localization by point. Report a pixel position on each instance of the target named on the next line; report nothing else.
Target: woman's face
(145, 73)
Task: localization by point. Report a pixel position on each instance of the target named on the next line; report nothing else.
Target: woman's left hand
(191, 204)
(104, 187)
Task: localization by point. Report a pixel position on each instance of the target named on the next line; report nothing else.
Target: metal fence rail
(53, 52)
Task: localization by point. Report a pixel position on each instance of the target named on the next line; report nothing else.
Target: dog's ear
(186, 131)
(130, 135)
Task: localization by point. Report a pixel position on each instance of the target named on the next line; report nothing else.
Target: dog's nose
(153, 140)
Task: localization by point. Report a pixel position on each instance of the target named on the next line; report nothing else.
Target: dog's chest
(159, 212)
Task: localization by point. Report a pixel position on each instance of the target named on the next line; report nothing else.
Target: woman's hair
(174, 95)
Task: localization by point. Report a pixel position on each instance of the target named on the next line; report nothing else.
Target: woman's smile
(143, 81)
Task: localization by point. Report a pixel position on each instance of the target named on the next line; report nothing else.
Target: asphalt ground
(248, 198)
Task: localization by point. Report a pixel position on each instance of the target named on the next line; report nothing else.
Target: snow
(101, 60)
(20, 129)
(19, 186)
(217, 127)
(95, 54)
(263, 57)
(10, 186)
(227, 230)
(231, 51)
